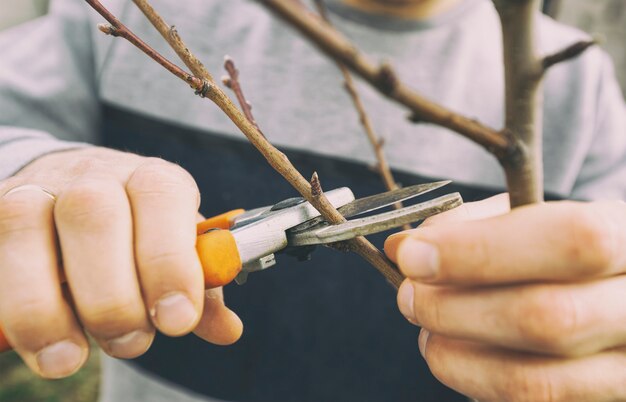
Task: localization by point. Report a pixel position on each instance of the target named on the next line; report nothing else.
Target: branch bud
(316, 186)
(107, 29)
(227, 82)
(387, 78)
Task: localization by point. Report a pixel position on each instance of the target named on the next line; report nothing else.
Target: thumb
(489, 207)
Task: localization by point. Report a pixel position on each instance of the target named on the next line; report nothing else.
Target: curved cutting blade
(375, 223)
(374, 202)
(377, 201)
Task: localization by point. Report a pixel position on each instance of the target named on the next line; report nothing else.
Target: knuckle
(429, 306)
(112, 316)
(31, 316)
(158, 178)
(164, 260)
(89, 204)
(157, 173)
(547, 319)
(592, 240)
(11, 182)
(89, 162)
(83, 164)
(16, 214)
(168, 271)
(526, 384)
(435, 358)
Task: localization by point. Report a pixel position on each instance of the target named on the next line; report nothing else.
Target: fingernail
(391, 244)
(60, 359)
(174, 314)
(422, 340)
(418, 259)
(131, 345)
(397, 236)
(405, 301)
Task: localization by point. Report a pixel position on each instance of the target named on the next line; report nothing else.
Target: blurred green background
(18, 384)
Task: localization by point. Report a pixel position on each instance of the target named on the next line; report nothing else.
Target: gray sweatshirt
(57, 72)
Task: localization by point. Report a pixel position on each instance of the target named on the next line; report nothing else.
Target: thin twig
(232, 82)
(377, 143)
(568, 53)
(274, 157)
(118, 29)
(170, 34)
(384, 78)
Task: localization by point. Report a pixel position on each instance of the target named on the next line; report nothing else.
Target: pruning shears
(238, 242)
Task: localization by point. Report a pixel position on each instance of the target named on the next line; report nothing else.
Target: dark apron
(323, 330)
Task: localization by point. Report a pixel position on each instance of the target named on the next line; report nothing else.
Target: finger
(33, 313)
(94, 225)
(218, 325)
(560, 241)
(164, 201)
(469, 211)
(565, 320)
(491, 374)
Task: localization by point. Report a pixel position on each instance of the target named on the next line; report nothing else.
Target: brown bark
(232, 82)
(523, 164)
(274, 157)
(518, 145)
(524, 70)
(383, 77)
(377, 143)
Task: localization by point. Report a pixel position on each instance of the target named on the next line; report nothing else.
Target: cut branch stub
(316, 186)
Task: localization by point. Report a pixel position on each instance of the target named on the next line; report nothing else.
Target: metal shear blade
(374, 202)
(324, 233)
(377, 201)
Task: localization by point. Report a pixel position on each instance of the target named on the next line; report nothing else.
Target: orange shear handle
(217, 251)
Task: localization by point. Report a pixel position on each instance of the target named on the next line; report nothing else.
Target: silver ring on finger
(31, 187)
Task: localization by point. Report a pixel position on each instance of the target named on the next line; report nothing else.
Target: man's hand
(122, 232)
(528, 305)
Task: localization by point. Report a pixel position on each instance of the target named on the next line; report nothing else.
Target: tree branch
(118, 29)
(523, 72)
(383, 77)
(274, 157)
(232, 83)
(568, 53)
(170, 34)
(376, 142)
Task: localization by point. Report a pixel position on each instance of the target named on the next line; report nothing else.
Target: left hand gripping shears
(238, 242)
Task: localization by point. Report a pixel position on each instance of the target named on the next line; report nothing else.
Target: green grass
(19, 384)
